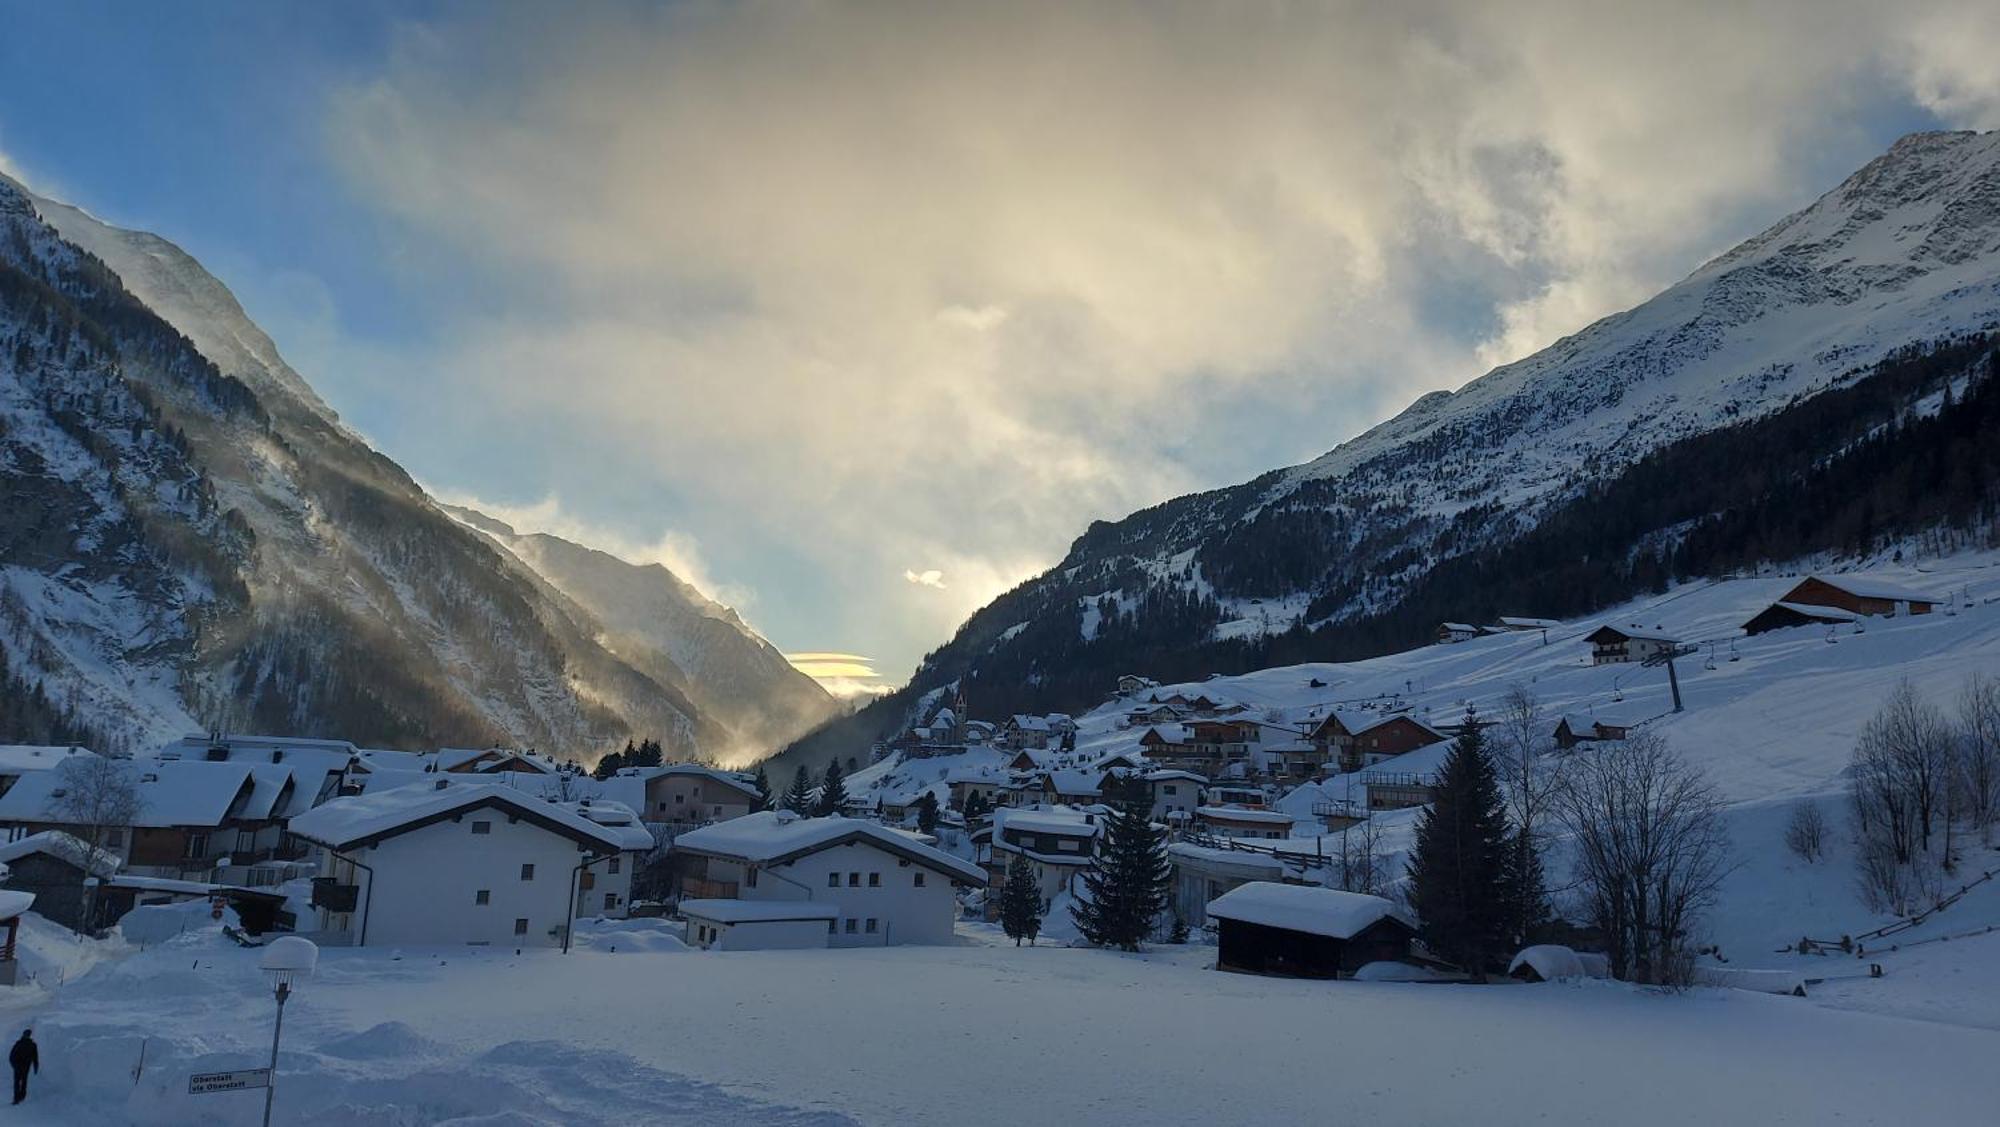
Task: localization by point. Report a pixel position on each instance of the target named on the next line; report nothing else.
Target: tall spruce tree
(927, 812)
(1125, 887)
(763, 784)
(799, 799)
(1462, 871)
(832, 791)
(1020, 903)
(975, 807)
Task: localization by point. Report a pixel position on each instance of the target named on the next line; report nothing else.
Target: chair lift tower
(1666, 657)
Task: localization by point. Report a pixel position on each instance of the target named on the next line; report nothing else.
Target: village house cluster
(510, 848)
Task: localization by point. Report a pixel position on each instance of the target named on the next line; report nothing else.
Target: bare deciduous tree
(1805, 832)
(1903, 763)
(1650, 851)
(1524, 742)
(1978, 779)
(95, 798)
(1363, 866)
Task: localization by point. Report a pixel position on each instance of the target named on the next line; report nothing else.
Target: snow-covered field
(989, 1033)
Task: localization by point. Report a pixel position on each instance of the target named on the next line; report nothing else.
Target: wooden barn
(1610, 645)
(1305, 931)
(1836, 599)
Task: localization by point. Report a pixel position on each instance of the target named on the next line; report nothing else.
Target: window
(114, 839)
(831, 925)
(527, 872)
(750, 876)
(197, 845)
(612, 868)
(854, 880)
(483, 896)
(521, 926)
(1172, 789)
(680, 800)
(850, 926)
(482, 827)
(871, 925)
(920, 880)
(718, 811)
(610, 901)
(833, 880)
(874, 880)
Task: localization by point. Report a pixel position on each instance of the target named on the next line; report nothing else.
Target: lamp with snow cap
(286, 959)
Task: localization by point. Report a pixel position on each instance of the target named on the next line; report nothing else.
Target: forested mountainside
(647, 613)
(191, 539)
(1671, 440)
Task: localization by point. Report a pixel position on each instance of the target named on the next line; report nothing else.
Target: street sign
(236, 1081)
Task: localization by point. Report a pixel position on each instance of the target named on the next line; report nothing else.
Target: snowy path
(998, 1035)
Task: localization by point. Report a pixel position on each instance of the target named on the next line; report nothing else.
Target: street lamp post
(287, 959)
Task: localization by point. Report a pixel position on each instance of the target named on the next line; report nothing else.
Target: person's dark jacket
(25, 1056)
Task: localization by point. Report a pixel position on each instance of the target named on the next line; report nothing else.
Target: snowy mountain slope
(199, 544)
(731, 671)
(1903, 254)
(189, 298)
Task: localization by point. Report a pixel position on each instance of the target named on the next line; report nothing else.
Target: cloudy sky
(856, 314)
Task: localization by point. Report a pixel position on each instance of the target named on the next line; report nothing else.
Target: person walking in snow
(24, 1057)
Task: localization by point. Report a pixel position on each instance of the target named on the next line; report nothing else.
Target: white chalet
(467, 861)
(886, 887)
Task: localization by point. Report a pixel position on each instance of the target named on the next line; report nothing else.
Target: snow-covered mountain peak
(177, 287)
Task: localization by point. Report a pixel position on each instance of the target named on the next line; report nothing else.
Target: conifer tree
(927, 812)
(1125, 887)
(1020, 903)
(799, 799)
(1460, 870)
(763, 784)
(832, 791)
(975, 807)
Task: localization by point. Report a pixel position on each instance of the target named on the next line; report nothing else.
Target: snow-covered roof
(1820, 612)
(63, 847)
(1024, 723)
(1075, 781)
(13, 902)
(347, 822)
(1307, 908)
(1244, 814)
(16, 758)
(1170, 775)
(1061, 820)
(695, 770)
(1461, 628)
(1170, 733)
(1635, 632)
(758, 911)
(1552, 962)
(171, 793)
(1516, 622)
(1866, 586)
(1260, 865)
(772, 836)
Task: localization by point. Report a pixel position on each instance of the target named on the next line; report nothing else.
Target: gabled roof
(1866, 586)
(1168, 733)
(63, 847)
(1611, 632)
(1243, 814)
(1024, 723)
(1356, 722)
(772, 837)
(1306, 908)
(367, 819)
(171, 793)
(1516, 622)
(695, 770)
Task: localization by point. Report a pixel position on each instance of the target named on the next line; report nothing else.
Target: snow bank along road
(980, 1034)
